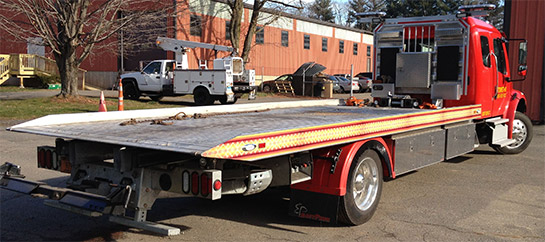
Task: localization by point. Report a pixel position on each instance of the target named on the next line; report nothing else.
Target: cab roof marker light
(371, 17)
(477, 10)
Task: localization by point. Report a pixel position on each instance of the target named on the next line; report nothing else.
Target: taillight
(41, 158)
(201, 183)
(206, 185)
(195, 183)
(217, 185)
(48, 158)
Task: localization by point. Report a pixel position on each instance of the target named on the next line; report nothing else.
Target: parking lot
(479, 196)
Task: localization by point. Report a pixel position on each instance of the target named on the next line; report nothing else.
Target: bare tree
(72, 28)
(237, 10)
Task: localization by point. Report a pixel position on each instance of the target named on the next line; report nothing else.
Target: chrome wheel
(363, 188)
(522, 135)
(520, 132)
(365, 184)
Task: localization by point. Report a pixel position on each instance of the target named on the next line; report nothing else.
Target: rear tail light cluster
(49, 159)
(205, 183)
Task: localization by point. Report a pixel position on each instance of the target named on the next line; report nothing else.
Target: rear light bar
(49, 159)
(198, 183)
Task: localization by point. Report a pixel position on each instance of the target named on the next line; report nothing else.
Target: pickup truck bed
(248, 131)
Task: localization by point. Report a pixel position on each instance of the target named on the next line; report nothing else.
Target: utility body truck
(226, 82)
(445, 88)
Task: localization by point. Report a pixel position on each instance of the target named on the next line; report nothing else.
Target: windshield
(154, 67)
(343, 79)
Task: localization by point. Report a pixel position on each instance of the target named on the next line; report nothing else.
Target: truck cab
(452, 61)
(152, 81)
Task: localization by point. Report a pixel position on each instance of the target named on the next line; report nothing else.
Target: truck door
(501, 74)
(152, 75)
(165, 76)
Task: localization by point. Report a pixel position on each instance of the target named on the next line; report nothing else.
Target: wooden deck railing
(29, 65)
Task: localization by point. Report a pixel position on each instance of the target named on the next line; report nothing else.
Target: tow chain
(182, 116)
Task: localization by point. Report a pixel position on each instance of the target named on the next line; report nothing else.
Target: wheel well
(521, 107)
(200, 87)
(383, 154)
(132, 80)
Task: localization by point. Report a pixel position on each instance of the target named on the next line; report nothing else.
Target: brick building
(282, 44)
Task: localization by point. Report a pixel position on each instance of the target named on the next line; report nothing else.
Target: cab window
(498, 50)
(485, 49)
(169, 66)
(154, 67)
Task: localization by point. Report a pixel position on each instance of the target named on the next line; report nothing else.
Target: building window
(306, 44)
(341, 46)
(227, 30)
(285, 38)
(368, 64)
(355, 49)
(259, 35)
(195, 25)
(324, 44)
(368, 50)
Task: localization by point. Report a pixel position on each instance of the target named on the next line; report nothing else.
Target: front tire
(363, 189)
(523, 132)
(130, 91)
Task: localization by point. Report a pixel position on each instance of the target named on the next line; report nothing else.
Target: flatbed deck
(250, 132)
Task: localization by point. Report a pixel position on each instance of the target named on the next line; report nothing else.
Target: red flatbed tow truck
(442, 87)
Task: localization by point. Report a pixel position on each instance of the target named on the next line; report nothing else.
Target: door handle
(157, 77)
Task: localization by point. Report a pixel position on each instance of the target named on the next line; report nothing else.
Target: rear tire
(201, 96)
(266, 88)
(223, 100)
(523, 132)
(363, 189)
(130, 91)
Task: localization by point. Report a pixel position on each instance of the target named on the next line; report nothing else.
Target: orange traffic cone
(120, 105)
(102, 104)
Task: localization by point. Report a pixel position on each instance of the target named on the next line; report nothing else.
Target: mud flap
(315, 206)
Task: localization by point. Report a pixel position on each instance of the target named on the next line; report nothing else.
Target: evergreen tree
(410, 8)
(322, 10)
(362, 6)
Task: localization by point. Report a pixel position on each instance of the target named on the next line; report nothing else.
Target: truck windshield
(154, 67)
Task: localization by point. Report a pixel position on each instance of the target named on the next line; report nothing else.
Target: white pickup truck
(226, 82)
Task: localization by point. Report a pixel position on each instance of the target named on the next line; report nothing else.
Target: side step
(499, 131)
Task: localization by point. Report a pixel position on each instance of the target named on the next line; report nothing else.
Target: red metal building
(525, 19)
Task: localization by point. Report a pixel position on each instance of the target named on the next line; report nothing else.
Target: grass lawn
(38, 107)
(17, 89)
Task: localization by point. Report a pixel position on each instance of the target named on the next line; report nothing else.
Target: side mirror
(522, 70)
(523, 51)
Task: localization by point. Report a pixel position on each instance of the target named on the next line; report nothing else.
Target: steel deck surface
(196, 136)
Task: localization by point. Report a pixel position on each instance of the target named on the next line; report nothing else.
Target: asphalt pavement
(481, 196)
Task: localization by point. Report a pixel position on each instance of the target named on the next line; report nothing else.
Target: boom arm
(177, 45)
(180, 48)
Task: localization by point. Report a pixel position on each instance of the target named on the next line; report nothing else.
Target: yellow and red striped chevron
(289, 141)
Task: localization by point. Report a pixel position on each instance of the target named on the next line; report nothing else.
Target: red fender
(323, 181)
(516, 96)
